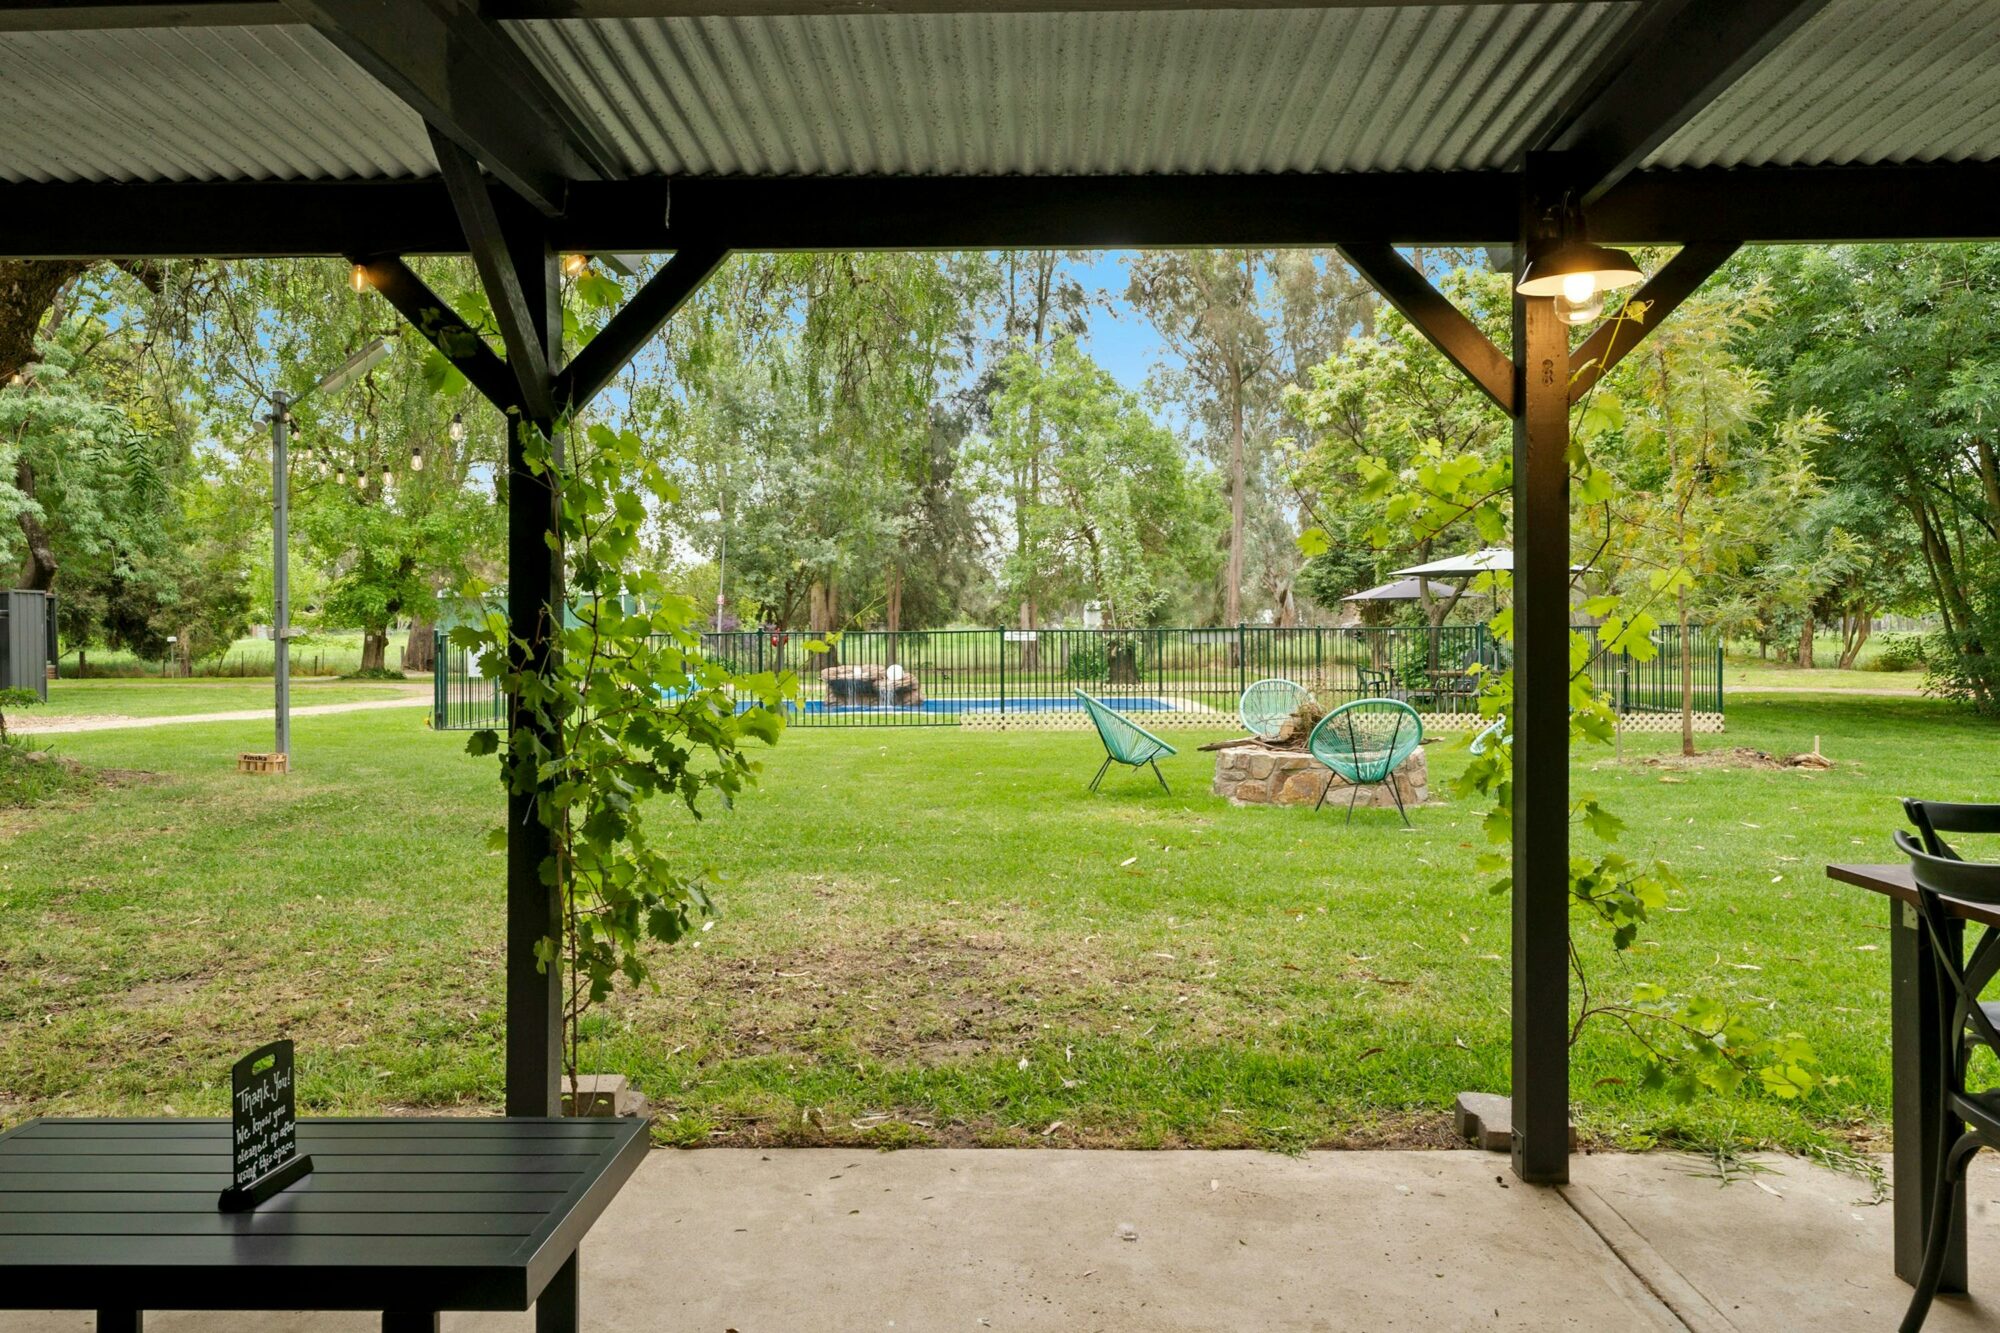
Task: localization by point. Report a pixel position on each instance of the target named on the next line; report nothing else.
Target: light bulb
(340, 474)
(1579, 312)
(357, 278)
(388, 477)
(573, 266)
(457, 428)
(1578, 288)
(416, 459)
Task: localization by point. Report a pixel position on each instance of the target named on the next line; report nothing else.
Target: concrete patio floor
(769, 1242)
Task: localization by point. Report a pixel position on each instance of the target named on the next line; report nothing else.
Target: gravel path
(55, 725)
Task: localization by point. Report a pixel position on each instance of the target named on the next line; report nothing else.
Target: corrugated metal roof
(1391, 88)
(1862, 82)
(197, 104)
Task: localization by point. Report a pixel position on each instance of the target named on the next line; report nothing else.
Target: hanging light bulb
(457, 428)
(416, 459)
(1573, 267)
(388, 477)
(340, 474)
(357, 278)
(574, 266)
(1580, 312)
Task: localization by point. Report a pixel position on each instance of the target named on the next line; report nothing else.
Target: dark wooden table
(406, 1216)
(1919, 1013)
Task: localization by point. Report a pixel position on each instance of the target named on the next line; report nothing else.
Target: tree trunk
(1687, 678)
(1232, 612)
(38, 565)
(1031, 651)
(374, 648)
(893, 611)
(1860, 624)
(1806, 642)
(420, 649)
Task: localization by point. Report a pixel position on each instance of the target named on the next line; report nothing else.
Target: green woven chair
(1266, 705)
(1125, 742)
(1365, 742)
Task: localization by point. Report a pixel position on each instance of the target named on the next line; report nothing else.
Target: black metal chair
(1934, 817)
(1971, 1119)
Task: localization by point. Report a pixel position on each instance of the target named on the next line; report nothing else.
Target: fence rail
(941, 678)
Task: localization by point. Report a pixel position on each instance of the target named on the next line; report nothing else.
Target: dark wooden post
(534, 614)
(1540, 721)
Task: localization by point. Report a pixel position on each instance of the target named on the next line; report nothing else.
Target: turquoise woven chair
(1125, 742)
(1266, 705)
(1365, 742)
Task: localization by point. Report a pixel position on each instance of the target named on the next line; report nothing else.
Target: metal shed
(27, 640)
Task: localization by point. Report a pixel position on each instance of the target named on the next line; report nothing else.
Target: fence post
(1242, 660)
(1000, 642)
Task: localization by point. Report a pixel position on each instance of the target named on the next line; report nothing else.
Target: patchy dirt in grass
(1740, 757)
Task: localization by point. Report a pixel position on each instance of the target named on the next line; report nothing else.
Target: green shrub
(1898, 652)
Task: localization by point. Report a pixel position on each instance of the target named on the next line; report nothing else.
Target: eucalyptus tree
(394, 493)
(1123, 519)
(1244, 324)
(1900, 347)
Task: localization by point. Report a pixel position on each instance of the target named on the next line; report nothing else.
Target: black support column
(1540, 721)
(534, 601)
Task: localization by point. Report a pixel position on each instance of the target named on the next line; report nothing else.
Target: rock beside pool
(1252, 773)
(867, 685)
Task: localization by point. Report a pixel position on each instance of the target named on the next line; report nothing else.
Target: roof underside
(1394, 88)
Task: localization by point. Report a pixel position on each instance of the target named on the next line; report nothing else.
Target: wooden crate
(263, 763)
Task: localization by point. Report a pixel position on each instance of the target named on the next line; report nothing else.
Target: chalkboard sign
(264, 1141)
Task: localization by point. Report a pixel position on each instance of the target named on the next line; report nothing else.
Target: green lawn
(1749, 674)
(314, 652)
(938, 936)
(178, 698)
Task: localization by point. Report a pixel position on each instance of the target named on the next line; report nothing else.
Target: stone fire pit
(1253, 773)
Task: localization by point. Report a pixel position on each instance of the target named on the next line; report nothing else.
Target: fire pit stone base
(1250, 773)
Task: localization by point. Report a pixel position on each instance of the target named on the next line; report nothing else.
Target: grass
(179, 698)
(937, 936)
(1750, 675)
(314, 653)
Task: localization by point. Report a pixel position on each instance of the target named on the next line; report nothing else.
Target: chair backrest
(1366, 740)
(1124, 740)
(1941, 877)
(1267, 704)
(1935, 817)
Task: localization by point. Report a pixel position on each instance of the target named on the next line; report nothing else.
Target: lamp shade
(1577, 270)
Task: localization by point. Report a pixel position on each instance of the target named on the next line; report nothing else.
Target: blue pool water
(1067, 703)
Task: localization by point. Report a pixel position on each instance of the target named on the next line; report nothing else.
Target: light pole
(281, 511)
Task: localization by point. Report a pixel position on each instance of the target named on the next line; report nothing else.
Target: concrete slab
(774, 1242)
(1801, 1247)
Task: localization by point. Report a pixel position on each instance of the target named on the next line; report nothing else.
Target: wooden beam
(1674, 58)
(472, 84)
(258, 219)
(1613, 339)
(441, 326)
(494, 247)
(1461, 341)
(635, 325)
(1539, 720)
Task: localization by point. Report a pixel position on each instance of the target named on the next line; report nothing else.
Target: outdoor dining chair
(1962, 977)
(1365, 742)
(1267, 705)
(1125, 741)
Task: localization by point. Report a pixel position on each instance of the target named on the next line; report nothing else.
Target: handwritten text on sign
(262, 1115)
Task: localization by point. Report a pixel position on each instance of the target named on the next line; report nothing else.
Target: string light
(357, 278)
(416, 459)
(388, 477)
(457, 428)
(340, 474)
(575, 266)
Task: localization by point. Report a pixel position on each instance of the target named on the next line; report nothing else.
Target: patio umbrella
(1492, 560)
(1402, 590)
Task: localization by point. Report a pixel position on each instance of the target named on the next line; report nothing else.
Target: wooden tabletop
(1897, 882)
(429, 1214)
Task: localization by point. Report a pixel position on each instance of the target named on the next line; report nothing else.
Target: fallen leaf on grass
(1371, 1051)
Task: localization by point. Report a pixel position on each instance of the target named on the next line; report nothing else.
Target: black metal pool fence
(949, 677)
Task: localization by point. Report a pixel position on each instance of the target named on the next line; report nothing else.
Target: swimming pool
(1052, 703)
